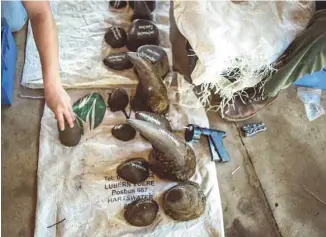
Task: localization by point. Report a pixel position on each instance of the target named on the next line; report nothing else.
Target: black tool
(216, 147)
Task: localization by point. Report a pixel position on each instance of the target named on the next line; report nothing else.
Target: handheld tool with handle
(217, 149)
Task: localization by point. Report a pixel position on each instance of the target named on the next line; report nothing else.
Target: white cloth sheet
(81, 26)
(80, 184)
(247, 36)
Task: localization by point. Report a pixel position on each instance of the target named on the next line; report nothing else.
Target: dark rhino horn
(139, 100)
(141, 212)
(141, 65)
(158, 99)
(141, 11)
(176, 157)
(157, 119)
(160, 138)
(185, 201)
(70, 136)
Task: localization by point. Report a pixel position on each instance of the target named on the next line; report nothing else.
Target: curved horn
(161, 139)
(146, 75)
(157, 119)
(171, 157)
(150, 81)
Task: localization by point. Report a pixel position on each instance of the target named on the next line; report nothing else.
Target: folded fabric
(247, 36)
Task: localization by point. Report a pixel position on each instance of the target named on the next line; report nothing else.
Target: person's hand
(59, 102)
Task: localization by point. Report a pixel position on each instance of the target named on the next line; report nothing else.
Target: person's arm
(45, 35)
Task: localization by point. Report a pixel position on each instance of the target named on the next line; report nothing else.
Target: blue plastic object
(15, 14)
(315, 80)
(8, 63)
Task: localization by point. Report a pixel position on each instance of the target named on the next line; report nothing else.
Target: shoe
(246, 107)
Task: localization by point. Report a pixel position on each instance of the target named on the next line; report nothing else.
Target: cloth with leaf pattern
(78, 187)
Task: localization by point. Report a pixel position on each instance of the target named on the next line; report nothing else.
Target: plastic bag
(311, 99)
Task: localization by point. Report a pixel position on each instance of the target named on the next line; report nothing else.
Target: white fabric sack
(249, 35)
(80, 186)
(81, 27)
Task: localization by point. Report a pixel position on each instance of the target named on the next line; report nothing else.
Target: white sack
(81, 27)
(249, 35)
(75, 184)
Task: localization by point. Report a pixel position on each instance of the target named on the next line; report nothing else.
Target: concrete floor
(279, 189)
